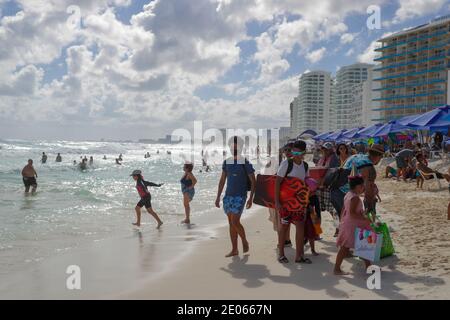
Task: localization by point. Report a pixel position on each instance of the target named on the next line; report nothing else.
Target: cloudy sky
(125, 69)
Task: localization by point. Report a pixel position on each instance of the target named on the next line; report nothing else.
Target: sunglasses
(297, 153)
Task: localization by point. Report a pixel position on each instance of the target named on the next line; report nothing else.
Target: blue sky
(132, 66)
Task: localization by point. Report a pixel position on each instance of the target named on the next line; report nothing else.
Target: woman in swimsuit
(188, 182)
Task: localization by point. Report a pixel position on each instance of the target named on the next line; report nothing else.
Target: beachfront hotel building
(363, 109)
(311, 109)
(414, 67)
(347, 98)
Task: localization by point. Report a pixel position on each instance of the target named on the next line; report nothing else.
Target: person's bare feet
(340, 273)
(246, 247)
(232, 254)
(136, 224)
(314, 253)
(159, 225)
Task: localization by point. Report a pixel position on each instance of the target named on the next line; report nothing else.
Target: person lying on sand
(390, 172)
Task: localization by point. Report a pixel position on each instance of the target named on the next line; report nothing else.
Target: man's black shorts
(146, 201)
(29, 181)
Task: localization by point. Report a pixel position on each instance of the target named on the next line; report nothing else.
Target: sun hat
(327, 145)
(136, 173)
(377, 148)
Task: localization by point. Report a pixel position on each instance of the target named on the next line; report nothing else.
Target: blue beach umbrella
(322, 136)
(390, 127)
(433, 118)
(446, 118)
(351, 133)
(335, 136)
(367, 132)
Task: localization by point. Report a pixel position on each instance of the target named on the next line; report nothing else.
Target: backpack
(291, 166)
(336, 178)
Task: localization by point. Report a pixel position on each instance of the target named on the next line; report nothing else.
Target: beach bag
(387, 248)
(336, 178)
(368, 244)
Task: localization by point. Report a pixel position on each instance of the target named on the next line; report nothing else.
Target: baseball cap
(327, 145)
(136, 173)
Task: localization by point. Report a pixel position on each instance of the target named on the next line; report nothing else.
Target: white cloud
(369, 54)
(347, 38)
(146, 71)
(409, 9)
(350, 52)
(316, 55)
(24, 82)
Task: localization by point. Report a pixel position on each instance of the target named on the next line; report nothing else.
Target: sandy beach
(419, 270)
(188, 263)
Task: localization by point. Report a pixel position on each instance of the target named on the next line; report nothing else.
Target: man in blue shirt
(239, 175)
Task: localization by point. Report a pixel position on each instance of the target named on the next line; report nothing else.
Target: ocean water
(73, 208)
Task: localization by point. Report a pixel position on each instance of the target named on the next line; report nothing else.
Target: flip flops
(303, 260)
(283, 259)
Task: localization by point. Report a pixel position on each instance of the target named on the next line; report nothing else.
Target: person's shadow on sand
(314, 277)
(319, 276)
(251, 273)
(391, 278)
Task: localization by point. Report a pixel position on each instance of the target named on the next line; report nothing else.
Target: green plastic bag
(387, 248)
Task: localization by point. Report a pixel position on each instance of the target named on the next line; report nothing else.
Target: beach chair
(428, 182)
(436, 154)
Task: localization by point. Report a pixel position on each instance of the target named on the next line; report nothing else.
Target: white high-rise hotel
(348, 93)
(311, 109)
(413, 76)
(325, 104)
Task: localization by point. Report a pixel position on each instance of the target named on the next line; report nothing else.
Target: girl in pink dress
(353, 216)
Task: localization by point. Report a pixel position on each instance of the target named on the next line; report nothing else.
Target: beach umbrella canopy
(390, 127)
(446, 118)
(351, 133)
(335, 136)
(430, 119)
(322, 136)
(367, 132)
(406, 120)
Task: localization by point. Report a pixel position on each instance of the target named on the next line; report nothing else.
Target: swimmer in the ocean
(29, 176)
(188, 182)
(83, 165)
(44, 157)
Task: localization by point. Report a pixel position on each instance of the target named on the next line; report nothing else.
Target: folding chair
(424, 176)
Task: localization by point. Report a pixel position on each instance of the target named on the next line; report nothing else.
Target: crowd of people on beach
(347, 189)
(412, 164)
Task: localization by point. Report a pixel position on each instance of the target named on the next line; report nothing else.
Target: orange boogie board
(294, 193)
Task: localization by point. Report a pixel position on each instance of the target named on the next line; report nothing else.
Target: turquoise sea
(73, 209)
